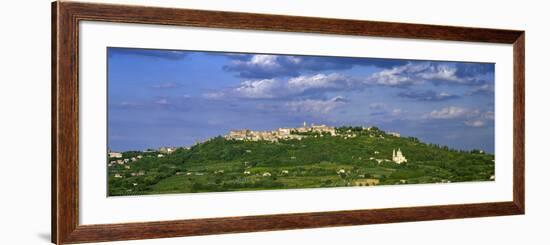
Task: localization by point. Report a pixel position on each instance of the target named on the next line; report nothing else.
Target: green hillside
(356, 157)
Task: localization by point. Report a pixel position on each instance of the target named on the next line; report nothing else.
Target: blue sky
(176, 98)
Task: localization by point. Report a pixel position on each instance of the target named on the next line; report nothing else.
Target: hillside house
(167, 150)
(395, 134)
(115, 154)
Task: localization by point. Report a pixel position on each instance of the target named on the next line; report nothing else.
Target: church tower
(398, 156)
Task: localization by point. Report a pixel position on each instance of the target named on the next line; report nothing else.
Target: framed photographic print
(175, 122)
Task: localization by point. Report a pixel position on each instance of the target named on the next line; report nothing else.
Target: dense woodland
(356, 157)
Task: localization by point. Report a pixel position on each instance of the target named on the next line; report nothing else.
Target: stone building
(398, 157)
(240, 134)
(113, 154)
(284, 131)
(395, 134)
(167, 150)
(323, 129)
(280, 133)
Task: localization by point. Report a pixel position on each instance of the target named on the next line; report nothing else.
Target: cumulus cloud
(259, 89)
(397, 76)
(485, 89)
(475, 123)
(263, 66)
(411, 73)
(438, 72)
(266, 61)
(470, 117)
(313, 85)
(449, 113)
(319, 81)
(414, 73)
(394, 72)
(316, 106)
(428, 95)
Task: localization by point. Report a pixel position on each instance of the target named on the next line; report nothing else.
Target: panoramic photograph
(184, 121)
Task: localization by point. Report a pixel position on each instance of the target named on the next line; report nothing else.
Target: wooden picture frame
(65, 121)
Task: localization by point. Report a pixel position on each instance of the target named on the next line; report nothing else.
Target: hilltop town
(292, 133)
(294, 157)
(299, 133)
(312, 131)
(280, 133)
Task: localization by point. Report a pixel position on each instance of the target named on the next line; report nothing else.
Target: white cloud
(294, 59)
(264, 60)
(418, 73)
(318, 81)
(483, 89)
(273, 88)
(258, 89)
(427, 95)
(394, 76)
(264, 66)
(472, 118)
(449, 113)
(439, 72)
(475, 123)
(405, 75)
(316, 106)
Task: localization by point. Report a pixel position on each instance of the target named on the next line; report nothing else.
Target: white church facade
(398, 157)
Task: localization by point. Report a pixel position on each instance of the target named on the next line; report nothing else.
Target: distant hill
(355, 156)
